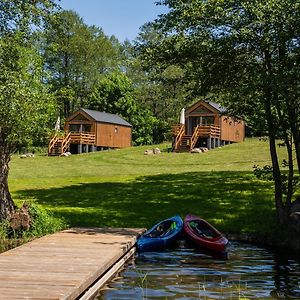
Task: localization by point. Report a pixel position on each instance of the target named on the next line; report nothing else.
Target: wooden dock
(64, 265)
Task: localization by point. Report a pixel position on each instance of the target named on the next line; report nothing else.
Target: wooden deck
(62, 265)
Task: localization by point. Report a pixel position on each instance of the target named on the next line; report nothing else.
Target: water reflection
(249, 273)
(286, 277)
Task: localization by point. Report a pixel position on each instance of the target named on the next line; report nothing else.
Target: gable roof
(104, 117)
(216, 107)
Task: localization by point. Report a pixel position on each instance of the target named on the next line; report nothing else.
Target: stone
(27, 155)
(21, 219)
(148, 152)
(196, 150)
(203, 149)
(156, 151)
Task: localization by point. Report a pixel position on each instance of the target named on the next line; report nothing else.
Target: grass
(125, 188)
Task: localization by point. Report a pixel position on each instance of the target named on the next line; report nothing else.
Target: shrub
(43, 222)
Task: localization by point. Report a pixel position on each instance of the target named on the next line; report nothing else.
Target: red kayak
(203, 234)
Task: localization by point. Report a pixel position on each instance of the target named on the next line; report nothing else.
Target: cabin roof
(105, 117)
(216, 106)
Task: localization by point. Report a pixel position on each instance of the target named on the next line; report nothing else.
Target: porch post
(79, 148)
(208, 143)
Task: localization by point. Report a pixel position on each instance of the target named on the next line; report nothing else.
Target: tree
(247, 53)
(162, 87)
(24, 102)
(114, 94)
(76, 55)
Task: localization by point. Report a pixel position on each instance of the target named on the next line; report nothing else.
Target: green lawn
(125, 188)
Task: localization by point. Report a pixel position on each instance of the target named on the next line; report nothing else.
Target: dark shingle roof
(105, 117)
(216, 106)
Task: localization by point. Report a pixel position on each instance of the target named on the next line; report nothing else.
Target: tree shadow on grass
(233, 201)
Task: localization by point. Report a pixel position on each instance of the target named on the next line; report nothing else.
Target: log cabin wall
(232, 130)
(113, 135)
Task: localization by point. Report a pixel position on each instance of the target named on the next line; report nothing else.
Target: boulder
(196, 150)
(203, 149)
(156, 151)
(148, 152)
(27, 155)
(21, 219)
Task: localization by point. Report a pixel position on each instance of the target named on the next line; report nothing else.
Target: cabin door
(194, 122)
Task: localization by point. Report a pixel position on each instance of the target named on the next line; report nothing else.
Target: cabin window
(116, 129)
(74, 127)
(208, 120)
(86, 127)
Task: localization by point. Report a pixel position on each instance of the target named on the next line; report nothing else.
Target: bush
(43, 222)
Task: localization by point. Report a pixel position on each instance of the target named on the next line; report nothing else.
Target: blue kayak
(160, 236)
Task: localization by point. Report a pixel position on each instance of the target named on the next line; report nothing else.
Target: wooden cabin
(206, 125)
(89, 130)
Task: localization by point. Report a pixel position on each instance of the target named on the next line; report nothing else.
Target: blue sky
(121, 18)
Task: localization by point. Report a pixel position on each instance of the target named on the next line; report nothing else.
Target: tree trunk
(282, 216)
(296, 136)
(7, 206)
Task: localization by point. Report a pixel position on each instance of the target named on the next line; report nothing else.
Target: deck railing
(82, 138)
(52, 143)
(66, 142)
(209, 131)
(194, 137)
(178, 132)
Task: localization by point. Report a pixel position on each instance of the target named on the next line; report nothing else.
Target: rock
(148, 152)
(156, 151)
(66, 154)
(196, 150)
(27, 155)
(21, 219)
(203, 149)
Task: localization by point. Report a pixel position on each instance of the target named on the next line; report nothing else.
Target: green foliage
(162, 85)
(43, 222)
(75, 56)
(114, 94)
(266, 173)
(26, 105)
(4, 229)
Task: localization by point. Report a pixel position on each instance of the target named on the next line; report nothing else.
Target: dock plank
(62, 265)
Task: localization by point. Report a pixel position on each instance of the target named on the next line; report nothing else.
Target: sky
(121, 18)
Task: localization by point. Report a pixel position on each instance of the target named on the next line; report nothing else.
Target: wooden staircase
(59, 144)
(185, 144)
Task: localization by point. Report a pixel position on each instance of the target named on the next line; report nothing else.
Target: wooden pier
(65, 265)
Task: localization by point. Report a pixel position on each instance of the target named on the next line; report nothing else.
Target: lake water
(250, 272)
